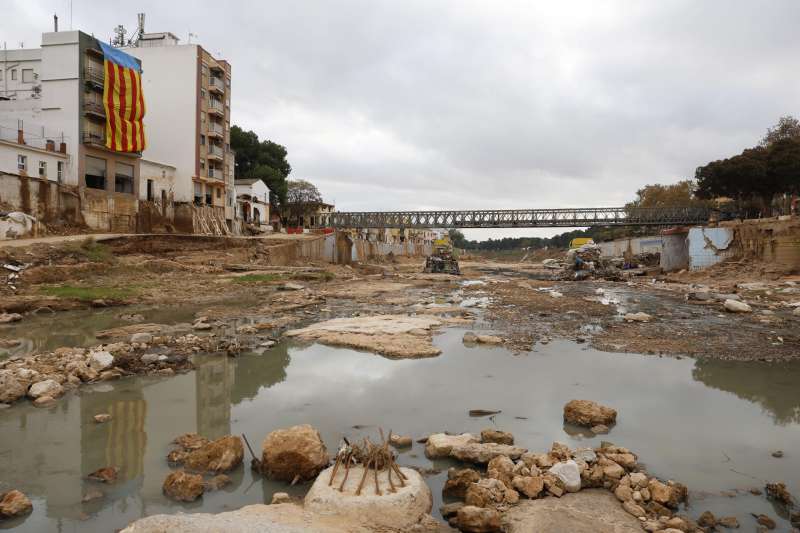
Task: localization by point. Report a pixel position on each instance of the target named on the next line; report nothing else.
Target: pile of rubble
(586, 263)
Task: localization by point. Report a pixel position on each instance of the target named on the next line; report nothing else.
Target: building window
(42, 169)
(150, 190)
(1, 75)
(95, 175)
(202, 140)
(203, 94)
(219, 193)
(22, 163)
(209, 198)
(198, 194)
(60, 171)
(123, 178)
(202, 117)
(13, 74)
(27, 75)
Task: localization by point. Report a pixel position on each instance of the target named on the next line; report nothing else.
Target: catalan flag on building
(123, 101)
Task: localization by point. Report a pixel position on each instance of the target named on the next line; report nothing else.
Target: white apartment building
(60, 86)
(188, 95)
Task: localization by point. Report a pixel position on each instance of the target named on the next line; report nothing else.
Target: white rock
(292, 287)
(100, 360)
(569, 473)
(556, 294)
(393, 511)
(440, 444)
(48, 387)
(149, 358)
(586, 455)
(638, 317)
(737, 307)
(796, 311)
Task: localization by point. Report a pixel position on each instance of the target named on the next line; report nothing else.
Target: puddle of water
(709, 424)
(78, 328)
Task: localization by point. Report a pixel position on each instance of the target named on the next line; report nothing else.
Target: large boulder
(11, 389)
(588, 413)
(14, 503)
(483, 452)
(182, 486)
(587, 511)
(297, 451)
(458, 481)
(48, 387)
(668, 494)
(495, 435)
(502, 468)
(490, 493)
(221, 455)
(473, 519)
(400, 510)
(439, 445)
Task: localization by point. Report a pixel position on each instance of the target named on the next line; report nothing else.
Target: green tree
(265, 160)
(783, 168)
(672, 195)
(302, 198)
(787, 127)
(458, 239)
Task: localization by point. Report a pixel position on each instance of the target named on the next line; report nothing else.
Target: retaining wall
(633, 245)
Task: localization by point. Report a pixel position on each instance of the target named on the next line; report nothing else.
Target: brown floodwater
(709, 424)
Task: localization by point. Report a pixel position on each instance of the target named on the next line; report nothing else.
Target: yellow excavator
(442, 260)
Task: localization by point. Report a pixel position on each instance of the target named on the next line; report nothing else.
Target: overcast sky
(427, 104)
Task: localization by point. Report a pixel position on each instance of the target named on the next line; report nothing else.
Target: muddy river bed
(712, 425)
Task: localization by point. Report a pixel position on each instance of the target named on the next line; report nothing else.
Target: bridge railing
(520, 218)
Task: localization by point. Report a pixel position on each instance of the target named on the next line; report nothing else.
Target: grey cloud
(403, 105)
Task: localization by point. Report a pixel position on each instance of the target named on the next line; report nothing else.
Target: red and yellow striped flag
(123, 101)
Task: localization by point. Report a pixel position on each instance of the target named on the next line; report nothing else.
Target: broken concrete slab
(398, 336)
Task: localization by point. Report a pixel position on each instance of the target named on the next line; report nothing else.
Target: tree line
(759, 180)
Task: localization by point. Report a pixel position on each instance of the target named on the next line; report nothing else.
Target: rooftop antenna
(119, 36)
(190, 37)
(70, 15)
(55, 22)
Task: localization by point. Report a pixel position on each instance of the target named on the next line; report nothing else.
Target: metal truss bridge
(521, 218)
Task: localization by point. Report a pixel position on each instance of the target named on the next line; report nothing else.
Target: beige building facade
(188, 120)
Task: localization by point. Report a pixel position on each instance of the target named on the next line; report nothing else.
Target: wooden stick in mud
(364, 477)
(346, 470)
(335, 468)
(256, 462)
(377, 486)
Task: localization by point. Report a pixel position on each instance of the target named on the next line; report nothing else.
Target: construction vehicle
(442, 260)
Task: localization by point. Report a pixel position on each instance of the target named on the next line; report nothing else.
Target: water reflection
(47, 453)
(774, 387)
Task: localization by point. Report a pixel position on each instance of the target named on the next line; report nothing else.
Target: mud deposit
(711, 424)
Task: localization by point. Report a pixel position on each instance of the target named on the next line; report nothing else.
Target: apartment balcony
(94, 76)
(215, 130)
(215, 173)
(215, 107)
(94, 137)
(216, 85)
(215, 153)
(94, 110)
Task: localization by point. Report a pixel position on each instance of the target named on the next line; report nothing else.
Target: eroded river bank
(712, 423)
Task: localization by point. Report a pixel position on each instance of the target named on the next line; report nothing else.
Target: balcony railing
(214, 150)
(94, 108)
(94, 137)
(215, 106)
(94, 75)
(214, 128)
(216, 84)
